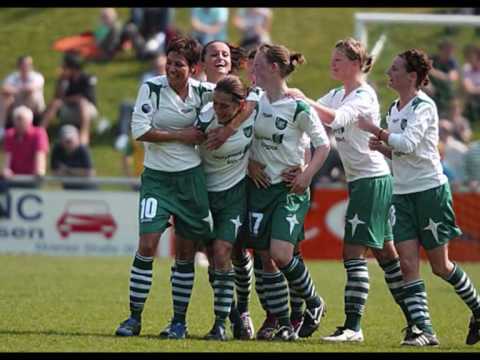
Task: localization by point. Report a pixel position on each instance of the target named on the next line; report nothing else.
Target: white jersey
(418, 168)
(226, 166)
(280, 139)
(159, 106)
(34, 100)
(352, 143)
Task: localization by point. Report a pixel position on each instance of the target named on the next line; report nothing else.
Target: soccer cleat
(235, 323)
(217, 333)
(267, 330)
(130, 327)
(311, 319)
(297, 324)
(285, 333)
(473, 332)
(342, 334)
(247, 331)
(418, 337)
(176, 330)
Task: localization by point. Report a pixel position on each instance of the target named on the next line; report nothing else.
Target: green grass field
(74, 304)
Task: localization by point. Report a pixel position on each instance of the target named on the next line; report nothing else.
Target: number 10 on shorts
(148, 208)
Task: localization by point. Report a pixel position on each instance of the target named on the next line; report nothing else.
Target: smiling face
(177, 69)
(398, 77)
(341, 67)
(217, 61)
(225, 106)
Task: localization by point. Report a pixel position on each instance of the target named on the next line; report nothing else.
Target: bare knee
(409, 267)
(148, 244)
(281, 258)
(442, 269)
(388, 253)
(222, 255)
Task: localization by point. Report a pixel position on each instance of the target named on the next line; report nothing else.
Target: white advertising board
(72, 223)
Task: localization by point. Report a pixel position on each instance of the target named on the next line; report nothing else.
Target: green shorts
(367, 220)
(275, 213)
(181, 194)
(427, 216)
(229, 210)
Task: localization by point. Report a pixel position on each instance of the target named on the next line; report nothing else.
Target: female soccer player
(218, 60)
(369, 183)
(423, 203)
(225, 171)
(165, 110)
(276, 208)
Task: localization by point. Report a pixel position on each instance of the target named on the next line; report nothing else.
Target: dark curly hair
(417, 61)
(187, 47)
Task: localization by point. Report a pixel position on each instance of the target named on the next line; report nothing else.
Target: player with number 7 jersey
(277, 206)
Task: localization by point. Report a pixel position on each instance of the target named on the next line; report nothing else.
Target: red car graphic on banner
(86, 216)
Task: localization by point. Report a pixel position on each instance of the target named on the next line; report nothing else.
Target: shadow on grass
(77, 333)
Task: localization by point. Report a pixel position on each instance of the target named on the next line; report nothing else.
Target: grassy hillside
(312, 31)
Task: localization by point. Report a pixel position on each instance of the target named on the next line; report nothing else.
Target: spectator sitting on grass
(74, 99)
(71, 158)
(22, 87)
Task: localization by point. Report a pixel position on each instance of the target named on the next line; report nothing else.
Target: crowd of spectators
(24, 116)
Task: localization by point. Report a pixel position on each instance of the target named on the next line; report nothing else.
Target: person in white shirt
(277, 204)
(367, 224)
(23, 87)
(172, 183)
(225, 171)
(422, 199)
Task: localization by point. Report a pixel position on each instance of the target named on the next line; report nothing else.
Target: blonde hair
(355, 50)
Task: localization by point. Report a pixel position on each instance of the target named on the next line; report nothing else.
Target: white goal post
(363, 19)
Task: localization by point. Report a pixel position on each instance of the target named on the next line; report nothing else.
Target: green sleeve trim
(154, 88)
(301, 106)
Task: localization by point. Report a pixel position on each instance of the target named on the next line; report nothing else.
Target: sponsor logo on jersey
(280, 123)
(248, 131)
(267, 115)
(403, 124)
(277, 138)
(146, 108)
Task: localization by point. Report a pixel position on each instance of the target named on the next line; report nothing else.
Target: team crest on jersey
(146, 108)
(248, 131)
(403, 124)
(280, 123)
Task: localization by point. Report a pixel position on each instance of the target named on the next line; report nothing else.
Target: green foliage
(76, 303)
(311, 31)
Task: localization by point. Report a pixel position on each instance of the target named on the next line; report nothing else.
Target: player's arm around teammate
(225, 170)
(422, 199)
(277, 211)
(218, 60)
(369, 183)
(172, 183)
